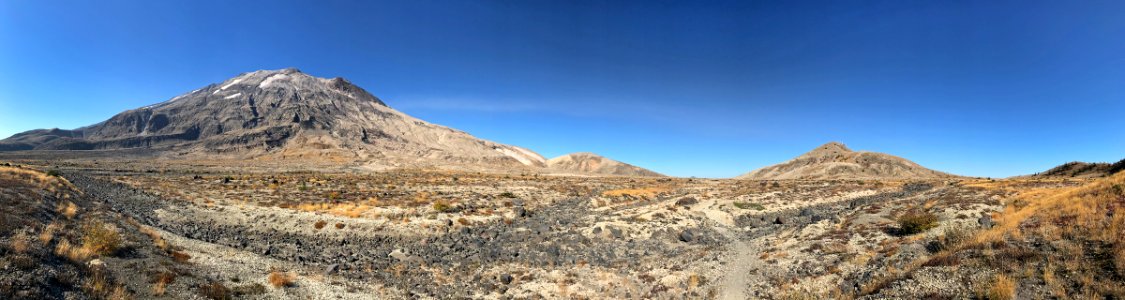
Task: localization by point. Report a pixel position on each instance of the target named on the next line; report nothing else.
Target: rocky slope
(277, 114)
(835, 161)
(589, 163)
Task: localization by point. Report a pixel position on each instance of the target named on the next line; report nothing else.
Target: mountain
(282, 114)
(1084, 169)
(835, 161)
(589, 163)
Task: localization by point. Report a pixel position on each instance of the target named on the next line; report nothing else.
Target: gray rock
(985, 221)
(687, 236)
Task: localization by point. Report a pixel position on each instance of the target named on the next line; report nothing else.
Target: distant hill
(1084, 169)
(589, 163)
(835, 161)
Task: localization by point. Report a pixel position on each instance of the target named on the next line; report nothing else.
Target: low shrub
(280, 279)
(214, 291)
(916, 222)
(99, 238)
(180, 256)
(747, 205)
(443, 207)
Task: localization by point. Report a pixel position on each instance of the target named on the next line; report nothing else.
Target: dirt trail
(741, 262)
(736, 280)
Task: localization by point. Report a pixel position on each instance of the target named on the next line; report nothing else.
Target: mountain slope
(589, 163)
(282, 114)
(835, 161)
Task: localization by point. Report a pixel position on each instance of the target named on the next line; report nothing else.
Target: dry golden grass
(48, 233)
(1119, 258)
(694, 281)
(180, 256)
(68, 209)
(157, 239)
(279, 279)
(100, 286)
(19, 243)
(71, 252)
(160, 282)
(1001, 287)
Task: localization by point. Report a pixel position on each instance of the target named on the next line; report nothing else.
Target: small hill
(1083, 169)
(589, 163)
(835, 161)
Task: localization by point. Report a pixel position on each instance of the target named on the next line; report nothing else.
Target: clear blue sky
(687, 88)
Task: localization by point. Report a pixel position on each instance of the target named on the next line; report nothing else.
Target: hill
(835, 161)
(1084, 169)
(589, 163)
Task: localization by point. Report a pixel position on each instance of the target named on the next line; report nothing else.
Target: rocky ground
(419, 234)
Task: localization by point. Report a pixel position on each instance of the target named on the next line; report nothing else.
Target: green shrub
(916, 222)
(442, 206)
(54, 173)
(746, 205)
